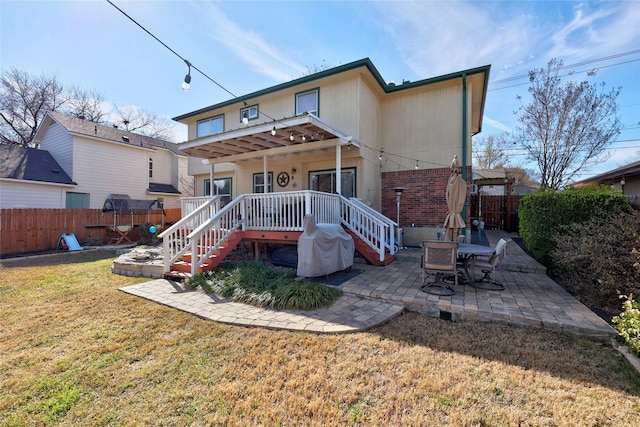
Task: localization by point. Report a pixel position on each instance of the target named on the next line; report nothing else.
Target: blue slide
(70, 241)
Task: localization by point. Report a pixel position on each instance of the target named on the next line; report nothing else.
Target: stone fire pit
(140, 261)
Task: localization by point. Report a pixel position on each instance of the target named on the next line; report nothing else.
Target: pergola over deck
(300, 134)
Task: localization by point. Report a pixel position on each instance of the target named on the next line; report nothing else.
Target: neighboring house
(342, 130)
(103, 160)
(31, 178)
(625, 178)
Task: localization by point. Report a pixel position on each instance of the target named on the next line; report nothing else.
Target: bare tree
(24, 101)
(566, 127)
(489, 152)
(88, 105)
(135, 119)
(187, 184)
(520, 176)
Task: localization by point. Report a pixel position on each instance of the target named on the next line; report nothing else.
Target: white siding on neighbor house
(164, 171)
(25, 194)
(59, 143)
(103, 168)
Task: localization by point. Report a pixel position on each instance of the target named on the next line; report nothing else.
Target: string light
(186, 84)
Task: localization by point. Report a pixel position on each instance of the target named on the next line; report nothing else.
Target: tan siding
(370, 124)
(423, 126)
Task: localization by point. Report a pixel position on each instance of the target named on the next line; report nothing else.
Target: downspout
(464, 138)
(464, 126)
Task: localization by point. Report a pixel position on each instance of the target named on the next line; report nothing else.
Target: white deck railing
(190, 204)
(205, 229)
(175, 240)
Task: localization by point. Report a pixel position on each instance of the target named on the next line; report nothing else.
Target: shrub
(263, 286)
(598, 260)
(547, 213)
(628, 324)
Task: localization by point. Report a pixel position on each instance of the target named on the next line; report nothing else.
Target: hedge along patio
(33, 230)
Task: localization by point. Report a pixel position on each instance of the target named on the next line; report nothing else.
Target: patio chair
(488, 268)
(439, 260)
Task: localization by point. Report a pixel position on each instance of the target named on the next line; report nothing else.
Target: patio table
(468, 251)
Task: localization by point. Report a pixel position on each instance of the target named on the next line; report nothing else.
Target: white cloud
(496, 124)
(440, 37)
(250, 47)
(612, 28)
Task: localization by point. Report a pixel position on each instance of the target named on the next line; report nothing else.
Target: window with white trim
(221, 188)
(251, 112)
(325, 181)
(307, 102)
(258, 182)
(210, 126)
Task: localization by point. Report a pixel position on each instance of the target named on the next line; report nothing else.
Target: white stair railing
(371, 229)
(389, 238)
(175, 238)
(210, 235)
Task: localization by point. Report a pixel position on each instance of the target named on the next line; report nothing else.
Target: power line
(564, 67)
(171, 50)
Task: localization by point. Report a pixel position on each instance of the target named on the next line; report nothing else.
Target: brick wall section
(424, 201)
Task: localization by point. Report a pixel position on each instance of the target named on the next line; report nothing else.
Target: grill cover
(323, 249)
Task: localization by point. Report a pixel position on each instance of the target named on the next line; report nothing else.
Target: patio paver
(531, 299)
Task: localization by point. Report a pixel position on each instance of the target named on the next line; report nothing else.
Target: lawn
(74, 350)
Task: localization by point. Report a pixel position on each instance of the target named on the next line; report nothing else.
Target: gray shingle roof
(155, 187)
(30, 164)
(110, 133)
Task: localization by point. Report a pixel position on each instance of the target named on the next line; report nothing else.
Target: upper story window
(307, 102)
(210, 126)
(250, 113)
(150, 167)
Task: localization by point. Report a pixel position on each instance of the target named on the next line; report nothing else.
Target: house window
(150, 167)
(307, 102)
(326, 181)
(251, 113)
(210, 126)
(221, 188)
(76, 200)
(258, 182)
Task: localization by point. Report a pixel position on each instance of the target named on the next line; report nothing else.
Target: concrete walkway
(531, 299)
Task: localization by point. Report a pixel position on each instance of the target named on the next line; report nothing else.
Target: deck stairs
(207, 233)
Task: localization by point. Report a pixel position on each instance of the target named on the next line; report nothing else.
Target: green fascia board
(366, 62)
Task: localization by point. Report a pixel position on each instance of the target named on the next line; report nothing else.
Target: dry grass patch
(76, 351)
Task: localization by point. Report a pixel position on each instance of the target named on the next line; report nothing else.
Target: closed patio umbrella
(456, 195)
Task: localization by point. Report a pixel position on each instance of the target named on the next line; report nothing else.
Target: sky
(245, 46)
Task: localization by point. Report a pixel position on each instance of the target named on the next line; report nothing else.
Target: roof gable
(94, 130)
(365, 63)
(31, 164)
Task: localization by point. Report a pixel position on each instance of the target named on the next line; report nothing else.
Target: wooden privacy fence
(497, 212)
(33, 230)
